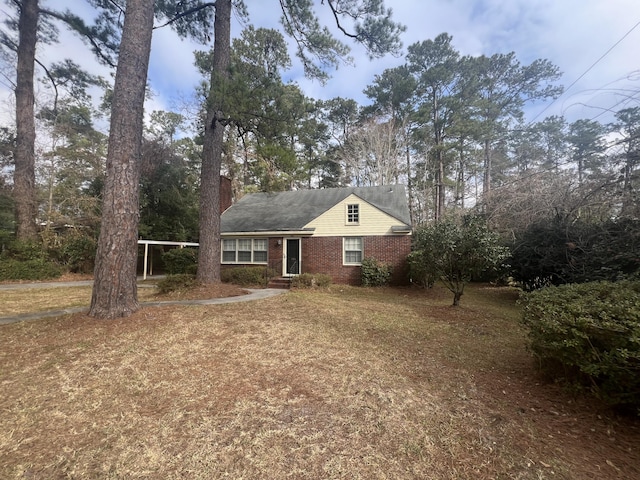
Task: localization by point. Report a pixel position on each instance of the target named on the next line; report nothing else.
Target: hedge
(589, 334)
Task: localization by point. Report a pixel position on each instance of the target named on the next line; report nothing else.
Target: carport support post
(144, 265)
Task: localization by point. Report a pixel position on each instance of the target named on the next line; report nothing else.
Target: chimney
(225, 193)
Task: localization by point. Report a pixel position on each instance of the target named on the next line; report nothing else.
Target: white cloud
(573, 34)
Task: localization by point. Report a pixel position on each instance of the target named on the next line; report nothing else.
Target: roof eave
(271, 233)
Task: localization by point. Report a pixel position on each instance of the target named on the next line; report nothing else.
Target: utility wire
(587, 70)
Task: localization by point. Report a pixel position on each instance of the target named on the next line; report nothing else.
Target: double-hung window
(244, 250)
(353, 214)
(352, 247)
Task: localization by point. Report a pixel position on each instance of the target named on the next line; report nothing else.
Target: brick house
(326, 231)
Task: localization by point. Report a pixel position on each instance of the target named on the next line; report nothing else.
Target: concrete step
(280, 282)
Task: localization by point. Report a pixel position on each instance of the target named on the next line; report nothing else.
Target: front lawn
(338, 383)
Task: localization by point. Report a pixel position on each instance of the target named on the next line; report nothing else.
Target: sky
(593, 42)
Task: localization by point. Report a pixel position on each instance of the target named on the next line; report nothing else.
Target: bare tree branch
(186, 13)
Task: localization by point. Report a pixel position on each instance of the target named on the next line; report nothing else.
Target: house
(327, 231)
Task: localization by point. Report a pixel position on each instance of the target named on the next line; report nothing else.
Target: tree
(552, 136)
(24, 177)
(164, 125)
(209, 238)
(373, 150)
(393, 96)
(369, 24)
(455, 252)
(434, 62)
(628, 125)
(34, 25)
(586, 143)
(168, 196)
(115, 289)
(76, 156)
(7, 219)
(340, 115)
(503, 87)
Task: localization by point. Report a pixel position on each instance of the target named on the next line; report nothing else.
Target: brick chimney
(225, 193)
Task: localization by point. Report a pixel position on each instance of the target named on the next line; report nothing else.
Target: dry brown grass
(19, 301)
(346, 383)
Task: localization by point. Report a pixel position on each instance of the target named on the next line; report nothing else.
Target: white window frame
(352, 217)
(255, 245)
(346, 240)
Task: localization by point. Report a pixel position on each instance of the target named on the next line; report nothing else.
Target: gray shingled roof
(285, 211)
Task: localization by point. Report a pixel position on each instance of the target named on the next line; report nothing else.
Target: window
(260, 250)
(353, 214)
(352, 250)
(244, 250)
(228, 251)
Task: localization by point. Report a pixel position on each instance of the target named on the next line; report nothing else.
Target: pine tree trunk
(24, 179)
(115, 290)
(486, 184)
(209, 250)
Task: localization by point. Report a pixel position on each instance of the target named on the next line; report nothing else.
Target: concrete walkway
(255, 294)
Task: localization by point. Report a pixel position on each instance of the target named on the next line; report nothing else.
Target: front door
(292, 257)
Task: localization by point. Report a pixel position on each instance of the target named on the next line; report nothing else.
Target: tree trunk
(409, 182)
(24, 178)
(486, 185)
(441, 193)
(461, 184)
(458, 290)
(457, 295)
(209, 250)
(114, 290)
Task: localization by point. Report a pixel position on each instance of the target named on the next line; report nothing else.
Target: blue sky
(573, 34)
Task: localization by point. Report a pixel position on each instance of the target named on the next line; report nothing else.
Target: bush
(310, 280)
(247, 276)
(375, 273)
(24, 251)
(419, 271)
(455, 251)
(36, 269)
(589, 334)
(27, 261)
(173, 283)
(180, 260)
(559, 251)
(79, 253)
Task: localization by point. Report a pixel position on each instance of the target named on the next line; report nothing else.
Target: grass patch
(15, 302)
(335, 383)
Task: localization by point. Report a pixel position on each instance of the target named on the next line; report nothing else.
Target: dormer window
(353, 214)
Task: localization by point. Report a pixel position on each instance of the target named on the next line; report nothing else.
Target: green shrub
(26, 251)
(589, 334)
(375, 273)
(78, 253)
(27, 261)
(35, 269)
(173, 283)
(419, 272)
(310, 280)
(180, 260)
(247, 276)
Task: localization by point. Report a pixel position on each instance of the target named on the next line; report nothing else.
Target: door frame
(285, 254)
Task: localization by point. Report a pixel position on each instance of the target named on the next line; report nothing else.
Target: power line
(587, 70)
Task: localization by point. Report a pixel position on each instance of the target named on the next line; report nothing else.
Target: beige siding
(334, 221)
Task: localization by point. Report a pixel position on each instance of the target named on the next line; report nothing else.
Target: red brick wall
(324, 255)
(225, 193)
